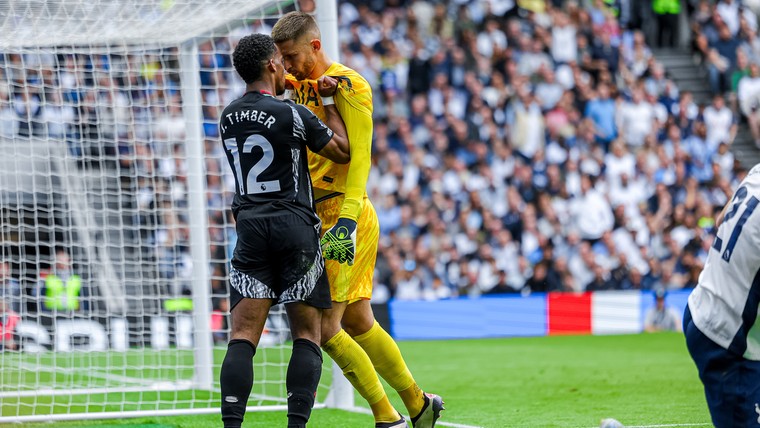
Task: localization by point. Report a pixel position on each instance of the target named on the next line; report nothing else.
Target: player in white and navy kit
(278, 257)
(720, 321)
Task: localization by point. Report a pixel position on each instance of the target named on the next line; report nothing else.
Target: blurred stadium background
(539, 168)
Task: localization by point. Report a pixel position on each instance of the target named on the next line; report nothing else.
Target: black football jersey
(265, 140)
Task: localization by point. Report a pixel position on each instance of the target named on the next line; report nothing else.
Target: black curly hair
(251, 55)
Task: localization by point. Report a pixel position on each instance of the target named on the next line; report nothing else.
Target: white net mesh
(99, 115)
(35, 23)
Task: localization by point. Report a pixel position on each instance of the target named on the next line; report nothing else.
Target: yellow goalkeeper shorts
(352, 283)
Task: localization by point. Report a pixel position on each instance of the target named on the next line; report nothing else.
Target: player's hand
(289, 88)
(326, 86)
(339, 243)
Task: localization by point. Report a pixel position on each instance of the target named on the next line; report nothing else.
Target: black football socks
(304, 370)
(237, 380)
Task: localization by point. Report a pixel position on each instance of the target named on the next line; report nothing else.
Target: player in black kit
(278, 258)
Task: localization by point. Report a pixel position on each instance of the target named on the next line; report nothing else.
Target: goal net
(115, 232)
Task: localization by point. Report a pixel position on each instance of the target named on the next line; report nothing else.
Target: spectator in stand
(666, 12)
(701, 16)
(8, 123)
(661, 317)
(722, 60)
(636, 119)
(619, 163)
(636, 55)
(634, 281)
(729, 13)
(591, 211)
(564, 48)
(700, 153)
(582, 266)
(28, 109)
(749, 100)
(602, 111)
(548, 91)
(532, 57)
(720, 122)
(491, 39)
(606, 56)
(57, 116)
(545, 278)
(527, 123)
(408, 283)
(685, 111)
(10, 288)
(9, 319)
(220, 321)
(657, 84)
(724, 160)
(61, 290)
(741, 70)
(601, 281)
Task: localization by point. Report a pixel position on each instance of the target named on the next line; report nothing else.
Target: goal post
(199, 242)
(112, 184)
(341, 392)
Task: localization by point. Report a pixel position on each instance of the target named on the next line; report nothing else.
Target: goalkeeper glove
(339, 243)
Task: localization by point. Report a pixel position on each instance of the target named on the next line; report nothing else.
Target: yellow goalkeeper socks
(358, 369)
(387, 359)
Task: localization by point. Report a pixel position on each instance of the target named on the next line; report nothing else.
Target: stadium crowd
(517, 148)
(534, 148)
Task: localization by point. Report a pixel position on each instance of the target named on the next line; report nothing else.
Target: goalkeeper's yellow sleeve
(359, 128)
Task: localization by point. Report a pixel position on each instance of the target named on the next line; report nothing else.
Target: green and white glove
(339, 243)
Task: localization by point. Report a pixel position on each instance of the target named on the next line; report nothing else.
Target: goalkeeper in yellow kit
(350, 230)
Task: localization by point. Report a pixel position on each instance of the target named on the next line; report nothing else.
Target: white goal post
(115, 230)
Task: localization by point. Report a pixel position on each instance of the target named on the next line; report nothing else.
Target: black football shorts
(278, 258)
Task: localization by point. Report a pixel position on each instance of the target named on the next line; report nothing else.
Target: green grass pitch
(563, 381)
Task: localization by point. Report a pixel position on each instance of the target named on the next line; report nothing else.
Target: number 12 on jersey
(249, 184)
(752, 203)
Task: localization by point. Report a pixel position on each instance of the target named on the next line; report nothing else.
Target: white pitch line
(668, 425)
(451, 424)
(366, 411)
(93, 373)
(664, 426)
(264, 397)
(49, 392)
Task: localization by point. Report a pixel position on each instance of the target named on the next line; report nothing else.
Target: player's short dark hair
(293, 26)
(251, 55)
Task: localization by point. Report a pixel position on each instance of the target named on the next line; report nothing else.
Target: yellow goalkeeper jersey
(354, 102)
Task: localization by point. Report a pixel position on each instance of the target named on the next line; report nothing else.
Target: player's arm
(337, 149)
(326, 87)
(322, 140)
(359, 129)
(339, 243)
(719, 219)
(722, 215)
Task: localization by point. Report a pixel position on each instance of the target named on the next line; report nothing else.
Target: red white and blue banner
(601, 312)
